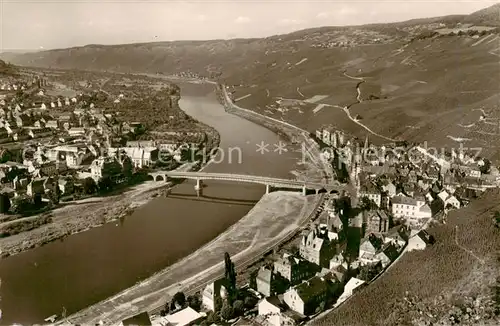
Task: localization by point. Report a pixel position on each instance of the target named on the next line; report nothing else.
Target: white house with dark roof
(317, 248)
(213, 291)
(370, 191)
(369, 248)
(397, 235)
(306, 297)
(410, 208)
(294, 269)
(420, 241)
(349, 289)
(449, 199)
(140, 156)
(270, 309)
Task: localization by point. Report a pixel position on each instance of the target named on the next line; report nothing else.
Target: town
(366, 189)
(60, 149)
(345, 247)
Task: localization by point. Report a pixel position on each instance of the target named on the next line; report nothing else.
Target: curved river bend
(91, 266)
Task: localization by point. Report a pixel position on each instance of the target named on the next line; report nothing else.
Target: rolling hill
(430, 79)
(7, 69)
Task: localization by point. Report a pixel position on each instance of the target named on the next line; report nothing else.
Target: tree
(37, 199)
(194, 302)
(367, 204)
(238, 307)
(178, 301)
(368, 272)
(227, 311)
(496, 219)
(105, 184)
(253, 280)
(89, 186)
(166, 309)
(127, 167)
(4, 203)
(250, 302)
(213, 318)
(230, 275)
(55, 195)
(485, 168)
(21, 204)
(218, 303)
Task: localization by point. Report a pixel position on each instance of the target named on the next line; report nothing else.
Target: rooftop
(141, 319)
(311, 288)
(403, 200)
(184, 317)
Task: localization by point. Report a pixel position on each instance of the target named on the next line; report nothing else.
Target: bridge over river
(267, 181)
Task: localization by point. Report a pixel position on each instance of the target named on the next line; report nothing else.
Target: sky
(49, 24)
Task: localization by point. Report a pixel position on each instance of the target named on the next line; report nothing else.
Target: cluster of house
(298, 286)
(8, 86)
(70, 163)
(320, 270)
(409, 182)
(64, 146)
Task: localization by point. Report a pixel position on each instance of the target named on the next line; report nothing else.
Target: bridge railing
(247, 178)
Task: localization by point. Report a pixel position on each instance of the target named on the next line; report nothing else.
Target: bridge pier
(317, 191)
(268, 189)
(199, 187)
(198, 184)
(304, 191)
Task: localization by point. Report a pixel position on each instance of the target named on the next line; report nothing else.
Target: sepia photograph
(250, 162)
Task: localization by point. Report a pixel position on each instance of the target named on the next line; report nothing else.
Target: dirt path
(300, 93)
(359, 100)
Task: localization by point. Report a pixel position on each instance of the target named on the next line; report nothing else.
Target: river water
(90, 266)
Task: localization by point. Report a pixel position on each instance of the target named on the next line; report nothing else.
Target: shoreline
(143, 192)
(64, 223)
(151, 299)
(85, 314)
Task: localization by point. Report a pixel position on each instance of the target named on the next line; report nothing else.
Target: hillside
(7, 69)
(454, 282)
(422, 80)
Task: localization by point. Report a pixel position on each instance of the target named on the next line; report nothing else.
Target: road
(358, 100)
(275, 182)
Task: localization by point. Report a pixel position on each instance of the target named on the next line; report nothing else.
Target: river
(90, 266)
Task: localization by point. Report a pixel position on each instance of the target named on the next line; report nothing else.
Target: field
(425, 91)
(417, 86)
(460, 269)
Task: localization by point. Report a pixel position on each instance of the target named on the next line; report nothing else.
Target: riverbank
(274, 217)
(316, 169)
(82, 215)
